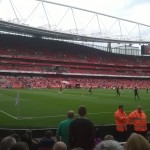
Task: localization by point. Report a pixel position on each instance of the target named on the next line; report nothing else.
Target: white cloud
(129, 9)
(140, 13)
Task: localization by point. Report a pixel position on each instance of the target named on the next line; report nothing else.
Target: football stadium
(47, 70)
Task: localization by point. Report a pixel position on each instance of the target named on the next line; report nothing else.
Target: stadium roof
(45, 20)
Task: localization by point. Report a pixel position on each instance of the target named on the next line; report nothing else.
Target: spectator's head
(137, 142)
(20, 146)
(28, 133)
(109, 145)
(16, 136)
(59, 146)
(7, 143)
(48, 133)
(70, 114)
(82, 111)
(109, 137)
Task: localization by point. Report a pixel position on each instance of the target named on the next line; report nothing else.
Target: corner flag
(17, 99)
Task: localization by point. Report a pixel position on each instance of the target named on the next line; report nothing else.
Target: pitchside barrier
(100, 131)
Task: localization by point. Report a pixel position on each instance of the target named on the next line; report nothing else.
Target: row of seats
(46, 66)
(94, 57)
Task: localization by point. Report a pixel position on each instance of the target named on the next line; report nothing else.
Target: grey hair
(59, 146)
(109, 145)
(7, 142)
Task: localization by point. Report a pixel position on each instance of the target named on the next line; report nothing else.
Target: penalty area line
(8, 114)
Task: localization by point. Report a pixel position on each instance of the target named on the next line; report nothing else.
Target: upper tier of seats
(33, 54)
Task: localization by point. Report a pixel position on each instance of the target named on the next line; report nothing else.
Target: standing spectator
(137, 142)
(136, 94)
(81, 132)
(139, 119)
(121, 120)
(62, 132)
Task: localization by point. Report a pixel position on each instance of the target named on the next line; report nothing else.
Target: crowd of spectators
(79, 135)
(34, 64)
(72, 82)
(71, 61)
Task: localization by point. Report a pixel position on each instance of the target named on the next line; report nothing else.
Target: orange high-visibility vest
(139, 120)
(121, 121)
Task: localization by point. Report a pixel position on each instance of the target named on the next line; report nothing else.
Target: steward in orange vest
(139, 119)
(121, 119)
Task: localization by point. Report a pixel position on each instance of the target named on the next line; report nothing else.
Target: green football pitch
(45, 108)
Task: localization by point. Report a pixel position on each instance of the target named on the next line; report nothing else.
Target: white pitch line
(23, 118)
(42, 117)
(28, 118)
(100, 113)
(8, 114)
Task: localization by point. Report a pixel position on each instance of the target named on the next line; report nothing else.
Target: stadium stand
(36, 62)
(41, 57)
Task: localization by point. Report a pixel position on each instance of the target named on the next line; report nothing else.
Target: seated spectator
(16, 136)
(7, 143)
(20, 146)
(47, 141)
(109, 145)
(108, 137)
(60, 146)
(27, 137)
(137, 142)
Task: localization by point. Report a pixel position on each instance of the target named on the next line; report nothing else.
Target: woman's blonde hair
(137, 142)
